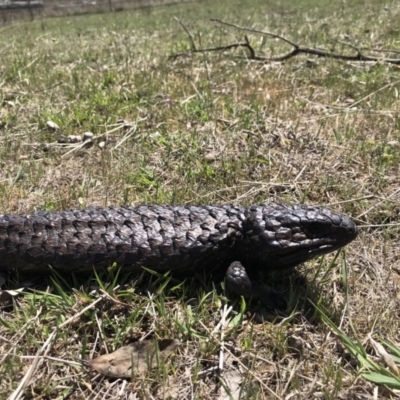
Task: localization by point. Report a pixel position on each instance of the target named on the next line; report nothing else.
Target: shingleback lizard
(177, 238)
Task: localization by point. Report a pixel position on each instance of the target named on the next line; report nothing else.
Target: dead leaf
(139, 355)
(385, 356)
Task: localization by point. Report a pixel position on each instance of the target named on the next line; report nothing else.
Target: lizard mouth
(336, 244)
(344, 234)
(324, 249)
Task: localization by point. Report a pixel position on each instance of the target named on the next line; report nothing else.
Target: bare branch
(193, 46)
(381, 50)
(350, 45)
(274, 35)
(219, 48)
(251, 50)
(297, 49)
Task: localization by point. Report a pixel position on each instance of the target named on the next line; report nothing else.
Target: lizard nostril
(352, 229)
(349, 226)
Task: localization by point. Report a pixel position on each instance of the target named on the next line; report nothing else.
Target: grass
(208, 128)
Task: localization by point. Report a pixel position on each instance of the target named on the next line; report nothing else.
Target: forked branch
(297, 49)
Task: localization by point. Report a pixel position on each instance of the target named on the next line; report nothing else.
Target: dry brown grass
(205, 129)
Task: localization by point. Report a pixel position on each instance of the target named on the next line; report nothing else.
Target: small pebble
(102, 145)
(88, 136)
(52, 125)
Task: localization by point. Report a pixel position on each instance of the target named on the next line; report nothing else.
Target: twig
(59, 360)
(306, 50)
(25, 382)
(297, 49)
(374, 92)
(381, 50)
(357, 50)
(77, 315)
(377, 204)
(27, 377)
(274, 35)
(219, 48)
(193, 46)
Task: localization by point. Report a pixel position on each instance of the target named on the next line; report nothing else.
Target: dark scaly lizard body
(176, 238)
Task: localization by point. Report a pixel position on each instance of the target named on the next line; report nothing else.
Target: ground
(204, 128)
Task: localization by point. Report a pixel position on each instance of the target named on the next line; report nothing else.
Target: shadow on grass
(288, 294)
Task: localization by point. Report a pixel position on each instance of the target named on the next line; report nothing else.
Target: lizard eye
(316, 228)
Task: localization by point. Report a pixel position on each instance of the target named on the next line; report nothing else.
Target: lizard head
(283, 236)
